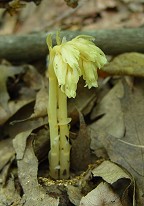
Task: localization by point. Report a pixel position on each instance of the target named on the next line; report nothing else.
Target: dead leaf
(13, 108)
(40, 108)
(33, 22)
(6, 71)
(42, 143)
(110, 118)
(100, 196)
(80, 152)
(9, 194)
(110, 172)
(126, 64)
(126, 154)
(32, 78)
(74, 194)
(19, 143)
(8, 23)
(6, 152)
(5, 171)
(84, 101)
(102, 5)
(120, 180)
(34, 194)
(30, 82)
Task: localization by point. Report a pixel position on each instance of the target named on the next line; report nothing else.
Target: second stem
(64, 135)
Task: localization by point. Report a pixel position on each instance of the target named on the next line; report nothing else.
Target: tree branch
(33, 46)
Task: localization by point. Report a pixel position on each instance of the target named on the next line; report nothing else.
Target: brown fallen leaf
(6, 152)
(84, 100)
(80, 151)
(7, 71)
(4, 175)
(126, 64)
(13, 108)
(100, 196)
(120, 180)
(23, 89)
(124, 152)
(110, 172)
(21, 139)
(74, 194)
(27, 163)
(110, 121)
(40, 108)
(9, 194)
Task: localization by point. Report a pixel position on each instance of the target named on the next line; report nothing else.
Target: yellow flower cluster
(76, 58)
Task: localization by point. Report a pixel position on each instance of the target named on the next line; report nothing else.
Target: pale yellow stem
(64, 135)
(54, 159)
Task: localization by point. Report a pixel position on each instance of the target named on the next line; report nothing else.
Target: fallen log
(31, 47)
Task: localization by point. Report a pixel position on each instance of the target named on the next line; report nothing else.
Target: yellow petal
(90, 74)
(60, 68)
(88, 50)
(70, 86)
(70, 55)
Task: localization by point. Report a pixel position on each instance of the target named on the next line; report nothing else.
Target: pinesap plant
(68, 61)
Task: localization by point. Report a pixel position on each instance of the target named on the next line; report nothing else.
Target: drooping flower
(75, 58)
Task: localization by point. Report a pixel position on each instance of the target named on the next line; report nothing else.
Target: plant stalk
(54, 154)
(63, 121)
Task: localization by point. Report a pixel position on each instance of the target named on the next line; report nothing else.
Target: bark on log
(32, 47)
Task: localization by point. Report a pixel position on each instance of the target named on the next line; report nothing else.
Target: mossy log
(31, 47)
